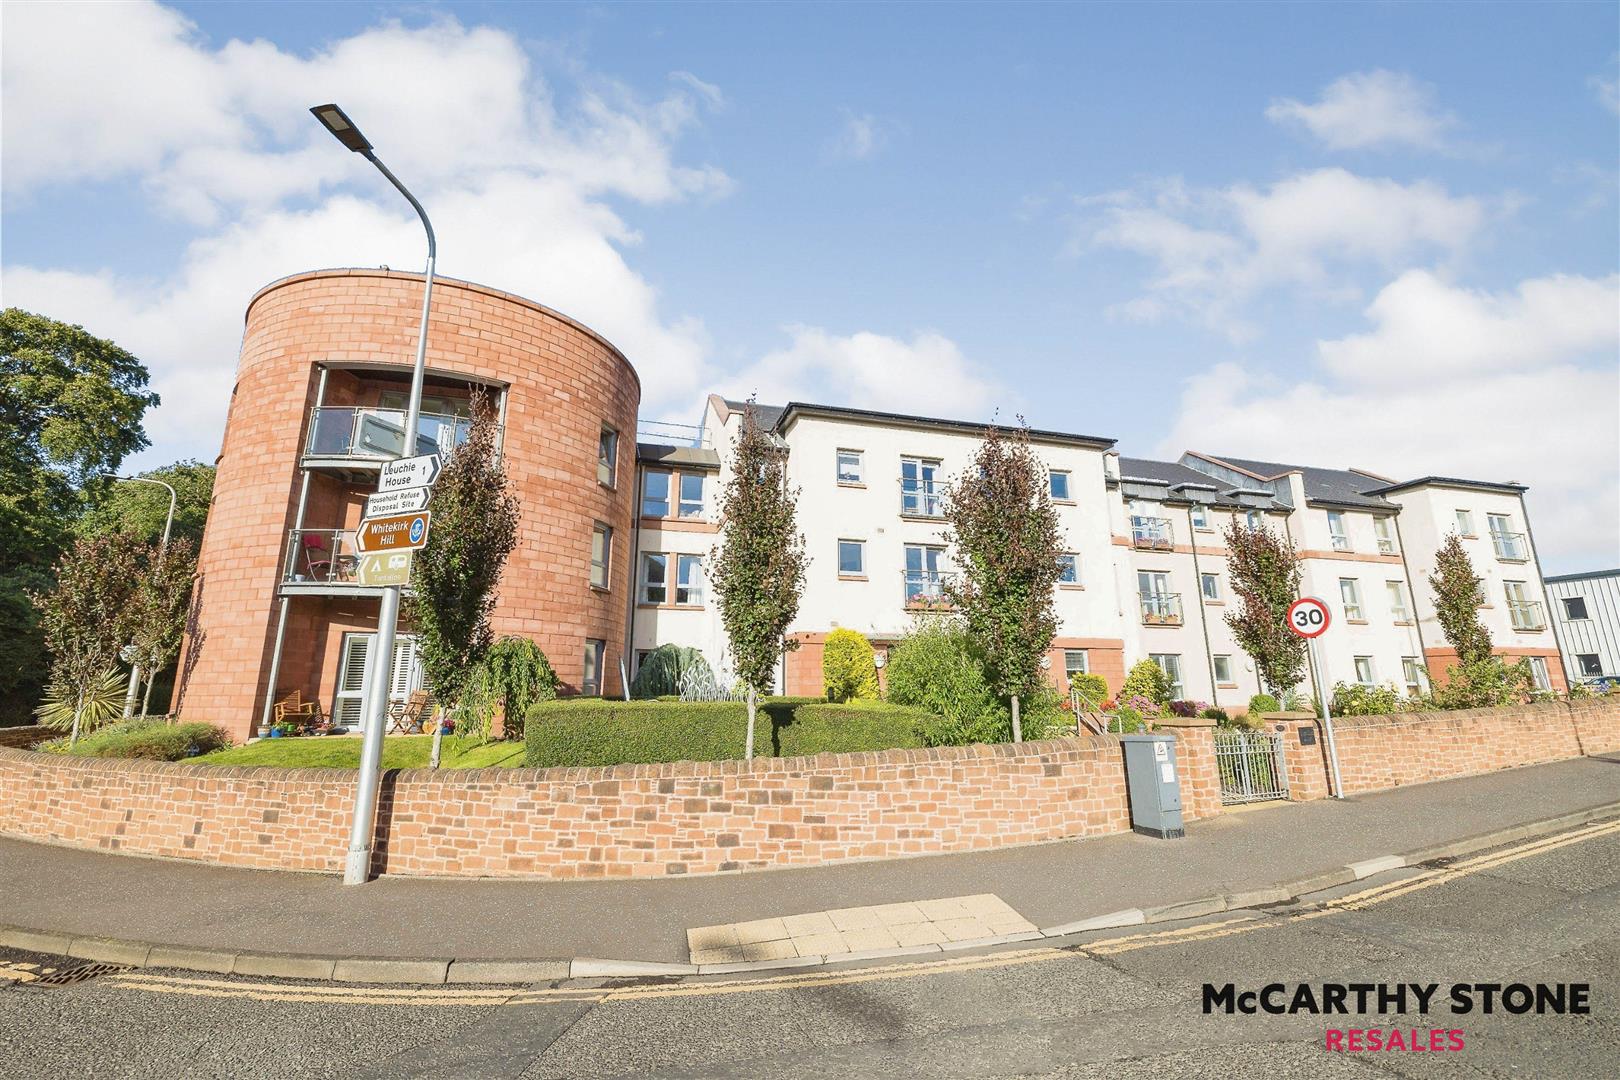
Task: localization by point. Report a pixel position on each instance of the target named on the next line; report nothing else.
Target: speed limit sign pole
(1309, 618)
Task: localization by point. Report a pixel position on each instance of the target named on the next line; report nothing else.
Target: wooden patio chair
(294, 709)
(408, 716)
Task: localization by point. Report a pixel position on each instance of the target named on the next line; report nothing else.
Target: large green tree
(139, 510)
(757, 569)
(1264, 571)
(454, 578)
(71, 406)
(1006, 543)
(1458, 595)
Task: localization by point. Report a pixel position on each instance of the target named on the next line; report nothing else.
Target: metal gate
(1251, 766)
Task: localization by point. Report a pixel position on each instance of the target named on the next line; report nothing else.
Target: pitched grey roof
(765, 415)
(796, 408)
(695, 457)
(1341, 487)
(1179, 482)
(1450, 481)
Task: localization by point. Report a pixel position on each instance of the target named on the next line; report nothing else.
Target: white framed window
(1068, 569)
(1350, 595)
(607, 456)
(1336, 533)
(1060, 486)
(655, 485)
(601, 554)
(1415, 676)
(689, 580)
(1200, 517)
(1465, 523)
(921, 490)
(924, 579)
(590, 683)
(850, 470)
(852, 558)
(1170, 664)
(1364, 670)
(1223, 670)
(1076, 662)
(1396, 590)
(1589, 663)
(1252, 518)
(1384, 528)
(654, 585)
(1538, 673)
(1210, 585)
(1575, 607)
(691, 504)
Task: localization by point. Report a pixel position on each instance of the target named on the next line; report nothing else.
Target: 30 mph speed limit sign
(1308, 617)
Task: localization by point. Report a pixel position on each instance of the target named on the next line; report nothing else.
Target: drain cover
(69, 976)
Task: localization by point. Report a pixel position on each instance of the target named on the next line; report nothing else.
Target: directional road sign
(1308, 617)
(411, 472)
(405, 501)
(402, 532)
(393, 568)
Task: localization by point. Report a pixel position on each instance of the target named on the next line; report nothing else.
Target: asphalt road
(1117, 1003)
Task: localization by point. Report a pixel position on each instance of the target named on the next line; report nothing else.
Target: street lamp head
(338, 123)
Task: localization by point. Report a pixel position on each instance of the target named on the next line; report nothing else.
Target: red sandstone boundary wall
(626, 821)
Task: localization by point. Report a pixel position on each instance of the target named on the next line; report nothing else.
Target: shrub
(1354, 699)
(1263, 703)
(1147, 680)
(848, 667)
(661, 671)
(1216, 713)
(1299, 701)
(1187, 708)
(593, 731)
(1128, 720)
(1484, 683)
(936, 668)
(518, 676)
(1093, 689)
(103, 703)
(149, 740)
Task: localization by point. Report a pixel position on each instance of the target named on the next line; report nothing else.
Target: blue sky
(1374, 235)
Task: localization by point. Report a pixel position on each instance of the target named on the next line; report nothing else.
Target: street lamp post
(357, 864)
(163, 548)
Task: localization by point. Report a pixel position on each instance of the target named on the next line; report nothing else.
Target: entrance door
(354, 673)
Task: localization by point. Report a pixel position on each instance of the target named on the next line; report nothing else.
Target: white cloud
(518, 187)
(1368, 110)
(1607, 88)
(1216, 248)
(1513, 386)
(927, 375)
(861, 136)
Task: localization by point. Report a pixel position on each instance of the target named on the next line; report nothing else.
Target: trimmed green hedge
(595, 731)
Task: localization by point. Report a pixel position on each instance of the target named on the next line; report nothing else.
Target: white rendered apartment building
(1145, 570)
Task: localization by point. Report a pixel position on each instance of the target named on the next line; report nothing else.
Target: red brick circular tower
(318, 404)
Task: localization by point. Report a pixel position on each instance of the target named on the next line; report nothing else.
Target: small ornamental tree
(1005, 541)
(757, 569)
(158, 616)
(1264, 569)
(1457, 599)
(454, 577)
(88, 617)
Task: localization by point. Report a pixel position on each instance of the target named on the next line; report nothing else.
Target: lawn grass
(336, 751)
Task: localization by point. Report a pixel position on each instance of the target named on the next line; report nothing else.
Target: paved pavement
(77, 892)
(1124, 1003)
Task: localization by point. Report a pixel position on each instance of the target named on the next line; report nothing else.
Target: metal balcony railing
(927, 587)
(922, 498)
(1341, 542)
(666, 433)
(1386, 546)
(1526, 615)
(1152, 532)
(321, 557)
(1161, 609)
(1510, 547)
(342, 431)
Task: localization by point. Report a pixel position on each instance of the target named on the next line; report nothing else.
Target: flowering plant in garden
(1141, 705)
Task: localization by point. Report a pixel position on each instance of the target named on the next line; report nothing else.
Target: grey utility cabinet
(1154, 783)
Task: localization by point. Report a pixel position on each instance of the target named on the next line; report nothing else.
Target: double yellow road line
(493, 996)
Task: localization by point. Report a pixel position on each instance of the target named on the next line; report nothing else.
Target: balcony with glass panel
(1510, 546)
(323, 562)
(922, 497)
(350, 439)
(1161, 609)
(928, 588)
(1153, 533)
(1527, 615)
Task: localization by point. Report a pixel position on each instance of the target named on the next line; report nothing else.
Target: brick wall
(1195, 760)
(627, 821)
(1381, 752)
(24, 737)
